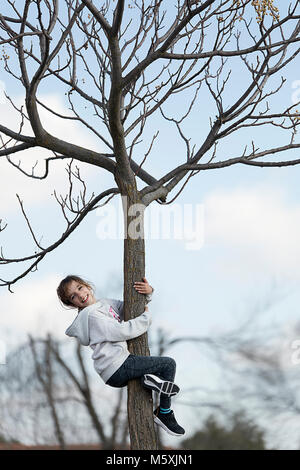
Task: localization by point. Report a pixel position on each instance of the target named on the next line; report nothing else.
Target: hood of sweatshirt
(80, 326)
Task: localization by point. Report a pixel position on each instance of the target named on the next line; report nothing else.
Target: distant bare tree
(83, 387)
(41, 378)
(272, 385)
(44, 373)
(125, 67)
(38, 380)
(255, 367)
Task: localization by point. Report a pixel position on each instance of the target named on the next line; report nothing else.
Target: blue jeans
(136, 366)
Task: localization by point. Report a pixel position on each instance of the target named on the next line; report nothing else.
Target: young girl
(100, 325)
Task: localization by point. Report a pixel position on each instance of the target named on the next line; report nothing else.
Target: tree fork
(139, 401)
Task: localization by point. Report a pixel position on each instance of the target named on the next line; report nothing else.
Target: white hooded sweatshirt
(101, 327)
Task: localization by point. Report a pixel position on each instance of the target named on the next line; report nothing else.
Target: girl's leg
(162, 367)
(137, 366)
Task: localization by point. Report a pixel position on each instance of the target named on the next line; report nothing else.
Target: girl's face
(79, 295)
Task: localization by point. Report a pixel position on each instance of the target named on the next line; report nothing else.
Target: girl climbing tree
(120, 66)
(99, 324)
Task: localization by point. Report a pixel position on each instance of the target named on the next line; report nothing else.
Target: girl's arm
(103, 328)
(142, 287)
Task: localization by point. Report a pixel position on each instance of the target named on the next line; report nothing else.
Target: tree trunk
(139, 404)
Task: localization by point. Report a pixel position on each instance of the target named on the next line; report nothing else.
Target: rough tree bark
(140, 404)
(123, 69)
(140, 410)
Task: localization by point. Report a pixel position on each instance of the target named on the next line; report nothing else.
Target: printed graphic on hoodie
(114, 314)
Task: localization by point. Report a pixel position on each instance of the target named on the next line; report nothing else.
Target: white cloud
(33, 308)
(12, 181)
(257, 227)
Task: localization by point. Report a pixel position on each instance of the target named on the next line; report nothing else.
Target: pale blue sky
(251, 227)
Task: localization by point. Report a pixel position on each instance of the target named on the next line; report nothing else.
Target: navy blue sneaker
(168, 422)
(164, 387)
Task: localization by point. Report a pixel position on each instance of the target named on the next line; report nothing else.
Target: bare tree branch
(38, 256)
(118, 71)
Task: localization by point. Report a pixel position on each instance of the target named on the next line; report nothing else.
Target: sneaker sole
(161, 386)
(160, 423)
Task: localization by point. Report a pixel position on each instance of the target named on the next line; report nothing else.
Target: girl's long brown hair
(62, 288)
